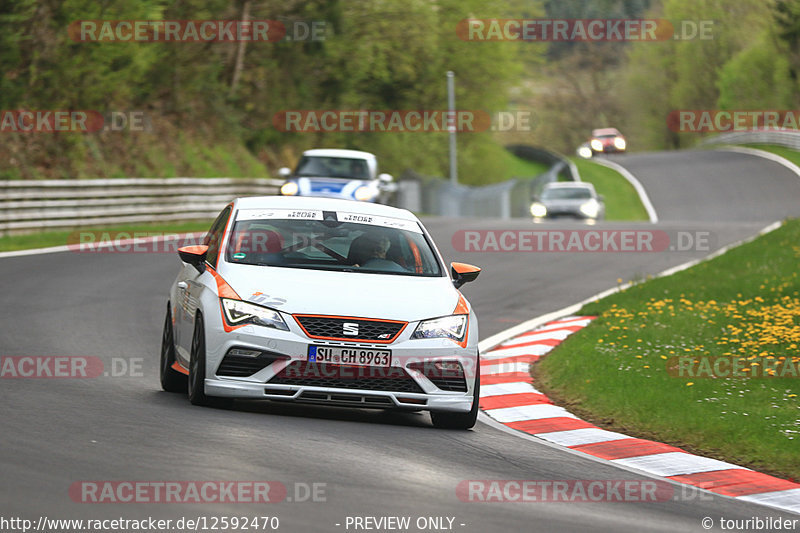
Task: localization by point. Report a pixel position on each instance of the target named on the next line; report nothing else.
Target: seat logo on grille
(350, 328)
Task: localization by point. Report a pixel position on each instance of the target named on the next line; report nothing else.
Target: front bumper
(366, 399)
(290, 349)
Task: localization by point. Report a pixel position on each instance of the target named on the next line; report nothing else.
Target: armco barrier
(56, 204)
(512, 198)
(787, 138)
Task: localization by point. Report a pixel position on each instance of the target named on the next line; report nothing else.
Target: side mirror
(284, 172)
(385, 178)
(195, 256)
(463, 273)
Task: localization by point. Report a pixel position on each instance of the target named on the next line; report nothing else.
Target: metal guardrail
(27, 206)
(512, 198)
(56, 204)
(787, 138)
(436, 196)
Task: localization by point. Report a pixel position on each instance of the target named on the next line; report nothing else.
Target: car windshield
(567, 193)
(607, 136)
(333, 167)
(327, 240)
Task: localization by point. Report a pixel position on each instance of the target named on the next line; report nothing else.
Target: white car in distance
(335, 173)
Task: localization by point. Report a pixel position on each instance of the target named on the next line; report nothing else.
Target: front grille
(240, 366)
(356, 400)
(307, 373)
(447, 379)
(360, 329)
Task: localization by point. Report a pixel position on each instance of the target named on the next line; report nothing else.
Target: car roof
(605, 131)
(326, 204)
(336, 152)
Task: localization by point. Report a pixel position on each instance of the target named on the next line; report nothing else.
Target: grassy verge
(522, 168)
(745, 305)
(786, 153)
(60, 238)
(622, 202)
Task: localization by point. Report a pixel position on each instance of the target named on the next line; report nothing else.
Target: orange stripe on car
(462, 309)
(179, 368)
(195, 249)
(225, 291)
(224, 235)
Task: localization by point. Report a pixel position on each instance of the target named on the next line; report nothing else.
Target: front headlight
(238, 312)
(619, 143)
(585, 152)
(447, 327)
(363, 194)
(289, 188)
(590, 208)
(596, 145)
(538, 210)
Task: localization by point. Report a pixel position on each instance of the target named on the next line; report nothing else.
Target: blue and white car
(334, 173)
(324, 301)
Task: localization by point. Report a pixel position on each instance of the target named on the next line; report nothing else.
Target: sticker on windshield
(279, 214)
(239, 255)
(384, 222)
(338, 216)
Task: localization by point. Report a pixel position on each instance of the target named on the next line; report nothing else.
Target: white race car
(322, 301)
(335, 173)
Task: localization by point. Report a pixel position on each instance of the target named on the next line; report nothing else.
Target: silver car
(575, 199)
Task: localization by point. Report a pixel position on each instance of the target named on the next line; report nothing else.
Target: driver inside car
(369, 251)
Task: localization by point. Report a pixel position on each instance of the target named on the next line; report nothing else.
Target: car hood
(335, 187)
(297, 290)
(563, 204)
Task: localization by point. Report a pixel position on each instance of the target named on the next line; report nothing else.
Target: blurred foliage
(750, 61)
(375, 55)
(220, 98)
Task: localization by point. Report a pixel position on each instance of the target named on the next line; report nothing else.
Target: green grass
(522, 168)
(622, 202)
(786, 153)
(59, 238)
(746, 304)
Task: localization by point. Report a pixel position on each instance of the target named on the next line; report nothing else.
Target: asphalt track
(55, 432)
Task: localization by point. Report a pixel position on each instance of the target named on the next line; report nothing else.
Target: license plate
(342, 355)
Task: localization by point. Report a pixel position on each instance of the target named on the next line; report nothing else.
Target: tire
(197, 365)
(171, 379)
(448, 420)
(197, 371)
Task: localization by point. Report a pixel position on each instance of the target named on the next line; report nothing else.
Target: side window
(214, 236)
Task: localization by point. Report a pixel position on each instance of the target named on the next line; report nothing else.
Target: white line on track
(637, 185)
